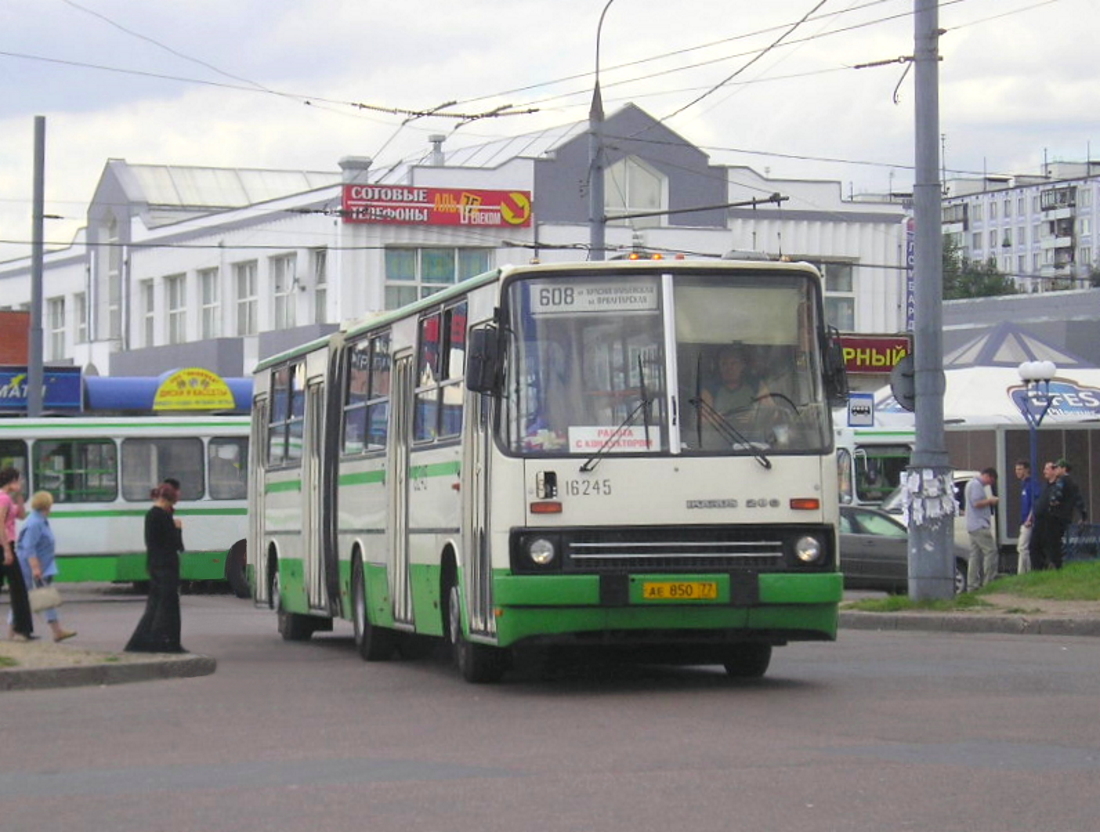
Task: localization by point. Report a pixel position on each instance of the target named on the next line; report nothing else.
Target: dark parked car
(874, 551)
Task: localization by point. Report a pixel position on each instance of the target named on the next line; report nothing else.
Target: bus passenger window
(228, 466)
(77, 470)
(147, 462)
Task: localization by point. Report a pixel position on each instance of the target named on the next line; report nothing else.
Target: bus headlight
(808, 549)
(541, 551)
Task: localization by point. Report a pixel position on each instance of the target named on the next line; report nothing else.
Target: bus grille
(671, 550)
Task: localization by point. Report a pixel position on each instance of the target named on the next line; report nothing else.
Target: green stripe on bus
(437, 469)
(363, 478)
(287, 485)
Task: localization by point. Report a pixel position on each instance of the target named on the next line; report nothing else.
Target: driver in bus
(738, 396)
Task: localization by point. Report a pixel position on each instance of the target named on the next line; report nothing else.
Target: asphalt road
(880, 731)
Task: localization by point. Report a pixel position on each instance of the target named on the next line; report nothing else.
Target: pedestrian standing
(1065, 503)
(1028, 493)
(36, 549)
(159, 628)
(982, 566)
(20, 623)
(1042, 547)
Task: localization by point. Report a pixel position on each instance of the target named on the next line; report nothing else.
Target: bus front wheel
(375, 644)
(748, 661)
(478, 663)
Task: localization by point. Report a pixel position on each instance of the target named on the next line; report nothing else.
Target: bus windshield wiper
(728, 431)
(594, 460)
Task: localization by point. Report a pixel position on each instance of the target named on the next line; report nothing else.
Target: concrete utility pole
(931, 501)
(596, 208)
(34, 341)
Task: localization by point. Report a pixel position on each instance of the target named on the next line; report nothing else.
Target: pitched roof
(1009, 345)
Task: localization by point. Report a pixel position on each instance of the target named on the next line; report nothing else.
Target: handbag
(44, 598)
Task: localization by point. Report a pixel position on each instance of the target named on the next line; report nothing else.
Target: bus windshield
(687, 363)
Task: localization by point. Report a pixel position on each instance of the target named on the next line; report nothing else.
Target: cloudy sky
(297, 84)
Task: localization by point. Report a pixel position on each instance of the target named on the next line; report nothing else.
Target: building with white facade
(1040, 230)
(217, 268)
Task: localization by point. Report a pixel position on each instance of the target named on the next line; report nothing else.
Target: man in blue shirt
(1028, 491)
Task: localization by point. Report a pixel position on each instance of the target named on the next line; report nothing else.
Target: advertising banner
(410, 205)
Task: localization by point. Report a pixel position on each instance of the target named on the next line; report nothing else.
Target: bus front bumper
(771, 607)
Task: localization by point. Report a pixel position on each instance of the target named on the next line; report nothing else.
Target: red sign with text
(410, 205)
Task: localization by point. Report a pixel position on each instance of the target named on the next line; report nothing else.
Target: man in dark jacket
(1060, 501)
(1043, 543)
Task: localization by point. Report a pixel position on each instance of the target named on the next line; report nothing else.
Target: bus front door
(403, 384)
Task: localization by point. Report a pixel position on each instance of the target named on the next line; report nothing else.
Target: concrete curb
(976, 623)
(105, 673)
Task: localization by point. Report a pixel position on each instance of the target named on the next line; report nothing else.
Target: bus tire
(235, 571)
(749, 660)
(962, 569)
(292, 626)
(478, 663)
(375, 644)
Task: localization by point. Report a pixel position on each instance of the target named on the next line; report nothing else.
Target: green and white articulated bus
(535, 457)
(100, 470)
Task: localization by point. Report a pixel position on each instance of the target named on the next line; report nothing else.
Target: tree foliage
(966, 278)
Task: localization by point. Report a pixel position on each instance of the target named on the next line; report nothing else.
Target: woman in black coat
(159, 628)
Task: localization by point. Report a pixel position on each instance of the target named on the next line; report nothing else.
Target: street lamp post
(1036, 376)
(596, 234)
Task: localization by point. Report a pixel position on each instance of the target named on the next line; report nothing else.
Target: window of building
(244, 277)
(976, 241)
(367, 395)
(1007, 241)
(1008, 208)
(148, 313)
(1021, 264)
(1084, 256)
(320, 285)
(210, 290)
(1035, 262)
(1084, 198)
(993, 210)
(632, 186)
(55, 329)
(1019, 206)
(1035, 204)
(80, 318)
(440, 363)
(414, 273)
(993, 238)
(114, 280)
(1084, 226)
(175, 291)
(284, 282)
(977, 212)
(1021, 235)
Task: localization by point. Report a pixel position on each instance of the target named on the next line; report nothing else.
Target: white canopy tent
(983, 384)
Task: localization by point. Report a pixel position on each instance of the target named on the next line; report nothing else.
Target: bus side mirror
(483, 361)
(836, 372)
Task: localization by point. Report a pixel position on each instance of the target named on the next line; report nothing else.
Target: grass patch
(901, 603)
(8, 661)
(1073, 582)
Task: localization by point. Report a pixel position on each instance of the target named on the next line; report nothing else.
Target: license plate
(680, 590)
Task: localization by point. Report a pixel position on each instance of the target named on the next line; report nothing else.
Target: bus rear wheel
(478, 663)
(748, 661)
(375, 644)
